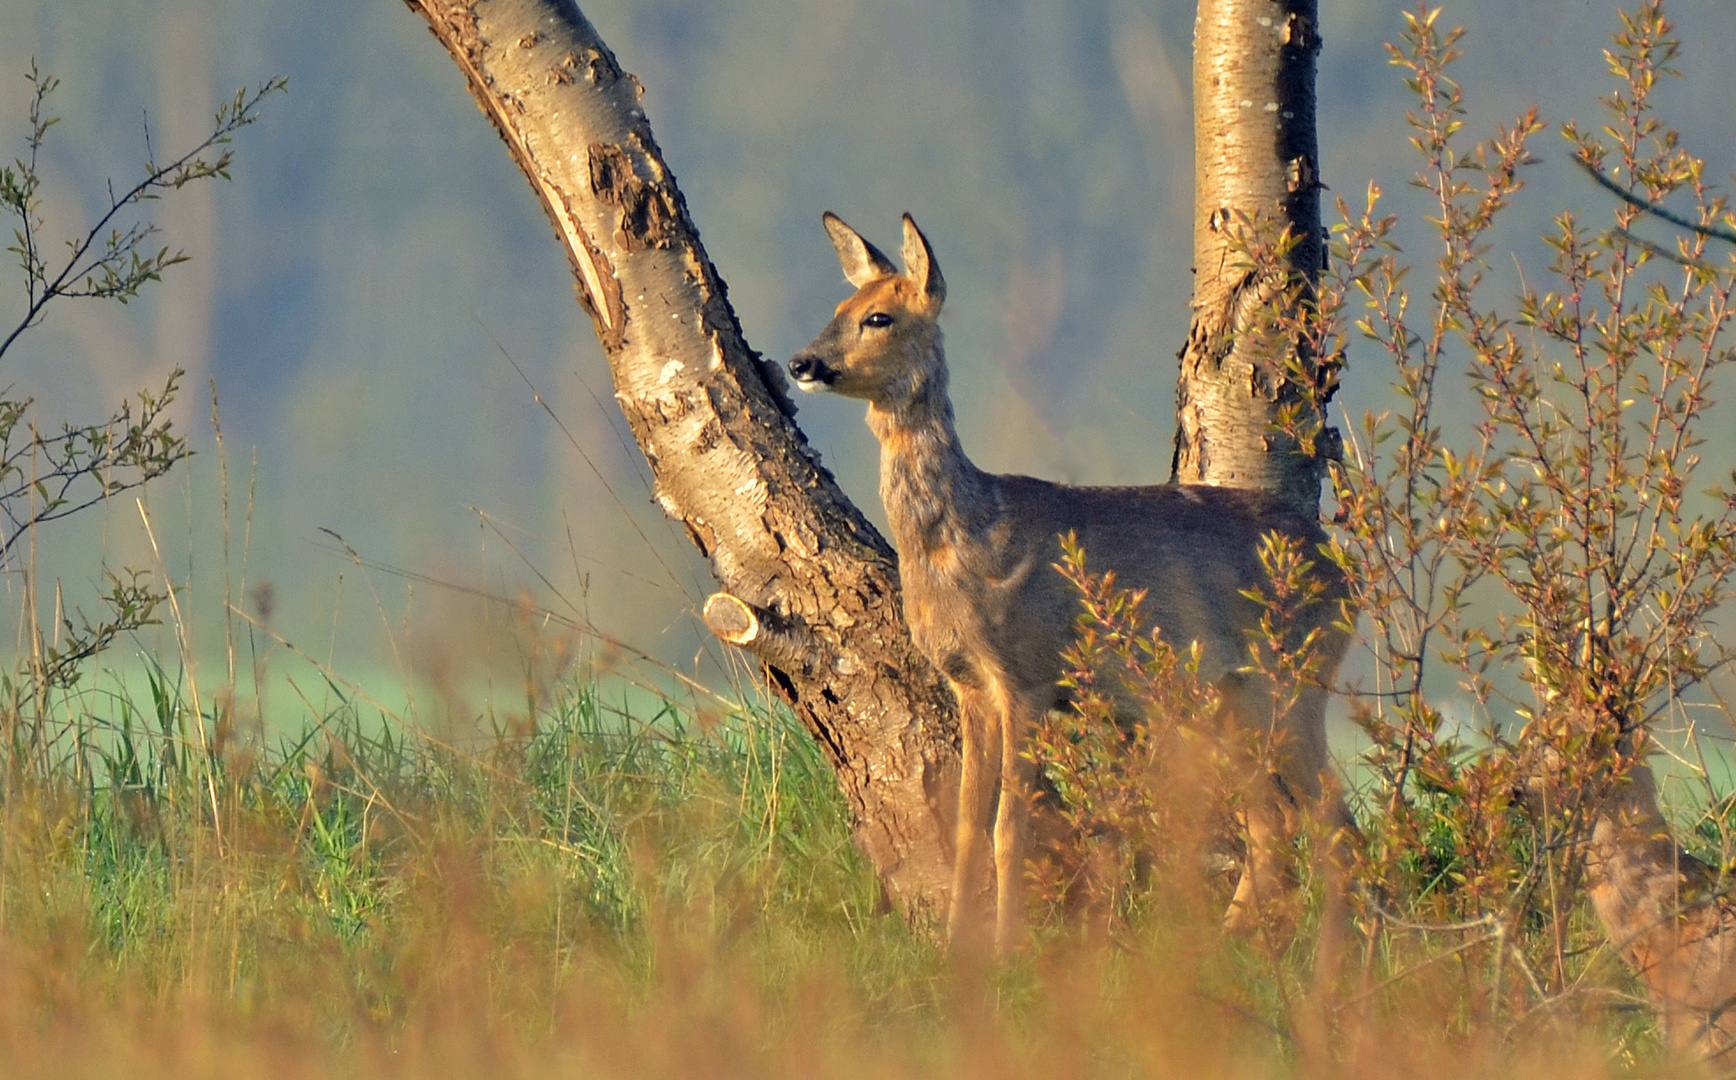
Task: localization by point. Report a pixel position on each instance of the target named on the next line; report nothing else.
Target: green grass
(350, 865)
(609, 887)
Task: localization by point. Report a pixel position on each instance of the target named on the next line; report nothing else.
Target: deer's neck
(935, 498)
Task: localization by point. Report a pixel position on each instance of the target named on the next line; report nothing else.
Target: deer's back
(993, 594)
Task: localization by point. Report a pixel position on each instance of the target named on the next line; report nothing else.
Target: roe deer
(984, 602)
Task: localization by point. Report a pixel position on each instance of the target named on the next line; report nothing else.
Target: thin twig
(1660, 251)
(1652, 208)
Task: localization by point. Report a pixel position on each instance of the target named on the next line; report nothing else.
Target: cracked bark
(812, 588)
(1255, 177)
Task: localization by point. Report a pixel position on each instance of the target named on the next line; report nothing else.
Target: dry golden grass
(608, 896)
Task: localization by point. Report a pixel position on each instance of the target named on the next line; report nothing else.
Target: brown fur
(985, 604)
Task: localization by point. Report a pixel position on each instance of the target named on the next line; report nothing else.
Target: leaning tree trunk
(1256, 187)
(810, 587)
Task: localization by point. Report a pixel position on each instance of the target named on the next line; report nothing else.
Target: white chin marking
(812, 386)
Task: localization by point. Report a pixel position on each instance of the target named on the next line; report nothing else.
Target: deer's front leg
(1012, 825)
(978, 788)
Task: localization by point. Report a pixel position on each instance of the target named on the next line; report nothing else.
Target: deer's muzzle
(812, 373)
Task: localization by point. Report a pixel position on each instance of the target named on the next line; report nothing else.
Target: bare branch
(1663, 213)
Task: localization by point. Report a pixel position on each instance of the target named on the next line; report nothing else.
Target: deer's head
(882, 344)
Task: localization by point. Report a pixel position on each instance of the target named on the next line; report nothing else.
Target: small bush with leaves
(49, 475)
(1163, 792)
(1564, 564)
(1560, 568)
(1110, 781)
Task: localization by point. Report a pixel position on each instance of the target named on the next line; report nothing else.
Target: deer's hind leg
(1282, 793)
(1270, 809)
(1271, 825)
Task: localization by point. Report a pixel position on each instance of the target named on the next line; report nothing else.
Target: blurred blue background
(352, 291)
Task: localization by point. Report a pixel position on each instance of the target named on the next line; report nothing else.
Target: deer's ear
(919, 264)
(861, 260)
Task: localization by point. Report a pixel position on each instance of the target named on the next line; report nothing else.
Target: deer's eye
(879, 320)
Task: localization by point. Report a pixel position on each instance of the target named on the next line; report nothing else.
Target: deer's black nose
(807, 369)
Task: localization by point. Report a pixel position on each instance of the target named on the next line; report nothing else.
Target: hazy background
(353, 289)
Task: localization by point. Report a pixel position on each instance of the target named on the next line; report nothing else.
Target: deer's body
(977, 554)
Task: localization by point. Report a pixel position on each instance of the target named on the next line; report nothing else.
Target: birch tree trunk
(1256, 178)
(1670, 916)
(809, 586)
